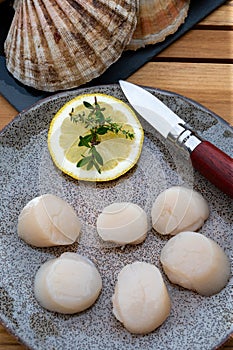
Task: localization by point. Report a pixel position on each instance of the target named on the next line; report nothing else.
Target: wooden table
(199, 65)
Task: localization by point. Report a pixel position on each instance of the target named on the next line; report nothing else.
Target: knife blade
(215, 165)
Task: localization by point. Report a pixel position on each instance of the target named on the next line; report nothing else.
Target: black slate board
(21, 97)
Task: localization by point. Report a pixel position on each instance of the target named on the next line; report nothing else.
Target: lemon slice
(119, 154)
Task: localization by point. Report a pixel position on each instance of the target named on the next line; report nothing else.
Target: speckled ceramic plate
(195, 322)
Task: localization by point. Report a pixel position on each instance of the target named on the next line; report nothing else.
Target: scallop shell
(156, 19)
(60, 44)
(16, 3)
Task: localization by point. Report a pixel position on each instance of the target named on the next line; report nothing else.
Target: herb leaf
(83, 161)
(102, 130)
(97, 124)
(90, 164)
(88, 105)
(84, 140)
(97, 156)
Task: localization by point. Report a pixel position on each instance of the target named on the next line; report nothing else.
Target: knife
(215, 165)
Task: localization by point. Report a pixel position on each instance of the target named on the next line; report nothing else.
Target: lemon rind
(97, 177)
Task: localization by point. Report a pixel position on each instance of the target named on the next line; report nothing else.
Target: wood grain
(209, 84)
(8, 342)
(199, 65)
(223, 16)
(214, 165)
(201, 45)
(7, 112)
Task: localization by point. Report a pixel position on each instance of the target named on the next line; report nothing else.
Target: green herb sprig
(98, 125)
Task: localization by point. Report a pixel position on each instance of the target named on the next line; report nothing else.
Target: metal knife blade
(162, 118)
(211, 162)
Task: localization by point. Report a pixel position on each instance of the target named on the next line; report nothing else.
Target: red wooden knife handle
(214, 165)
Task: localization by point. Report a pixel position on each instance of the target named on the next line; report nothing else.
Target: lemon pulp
(118, 152)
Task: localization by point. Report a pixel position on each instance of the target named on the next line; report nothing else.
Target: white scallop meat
(122, 223)
(47, 221)
(141, 300)
(196, 262)
(68, 284)
(179, 209)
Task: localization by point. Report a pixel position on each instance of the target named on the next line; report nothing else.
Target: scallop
(179, 209)
(68, 284)
(156, 20)
(122, 223)
(196, 262)
(141, 300)
(61, 44)
(47, 221)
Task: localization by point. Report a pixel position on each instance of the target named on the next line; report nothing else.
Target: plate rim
(116, 85)
(79, 91)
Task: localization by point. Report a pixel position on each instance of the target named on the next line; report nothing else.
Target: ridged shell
(156, 19)
(16, 3)
(60, 44)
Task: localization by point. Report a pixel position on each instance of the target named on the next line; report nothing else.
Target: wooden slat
(8, 342)
(208, 84)
(228, 345)
(223, 16)
(7, 112)
(202, 44)
(18, 347)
